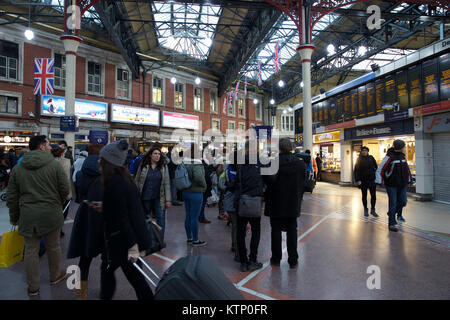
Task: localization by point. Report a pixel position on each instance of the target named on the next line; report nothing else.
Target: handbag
(156, 238)
(228, 202)
(11, 248)
(249, 206)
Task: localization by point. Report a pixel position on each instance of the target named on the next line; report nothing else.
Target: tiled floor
(336, 247)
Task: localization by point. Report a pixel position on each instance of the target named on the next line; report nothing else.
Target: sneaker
(274, 263)
(253, 265)
(189, 241)
(204, 221)
(366, 212)
(372, 212)
(243, 267)
(401, 219)
(393, 228)
(198, 243)
(32, 293)
(61, 277)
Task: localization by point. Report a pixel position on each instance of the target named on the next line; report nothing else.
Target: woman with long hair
(153, 181)
(124, 223)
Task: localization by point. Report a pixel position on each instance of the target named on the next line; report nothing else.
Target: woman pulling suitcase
(124, 223)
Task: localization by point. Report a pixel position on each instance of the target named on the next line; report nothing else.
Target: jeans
(154, 205)
(255, 224)
(32, 257)
(173, 191)
(202, 210)
(134, 277)
(397, 200)
(290, 225)
(373, 195)
(192, 203)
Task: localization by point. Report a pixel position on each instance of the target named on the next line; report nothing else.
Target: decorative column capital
(71, 43)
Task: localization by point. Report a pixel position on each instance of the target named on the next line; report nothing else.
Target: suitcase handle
(143, 272)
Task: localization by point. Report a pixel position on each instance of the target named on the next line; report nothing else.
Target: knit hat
(115, 153)
(399, 144)
(84, 154)
(364, 148)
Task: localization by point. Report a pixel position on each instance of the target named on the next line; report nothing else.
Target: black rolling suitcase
(193, 278)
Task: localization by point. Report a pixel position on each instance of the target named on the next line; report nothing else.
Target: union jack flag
(224, 109)
(259, 74)
(277, 58)
(43, 76)
(245, 86)
(230, 100)
(236, 91)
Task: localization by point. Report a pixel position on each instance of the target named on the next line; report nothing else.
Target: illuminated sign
(85, 109)
(135, 115)
(178, 120)
(327, 137)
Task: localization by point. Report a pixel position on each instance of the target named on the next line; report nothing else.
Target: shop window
(9, 104)
(241, 108)
(157, 91)
(198, 106)
(213, 101)
(60, 71)
(9, 60)
(123, 83)
(94, 78)
(179, 90)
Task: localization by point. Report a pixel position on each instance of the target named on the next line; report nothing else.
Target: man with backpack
(134, 165)
(395, 174)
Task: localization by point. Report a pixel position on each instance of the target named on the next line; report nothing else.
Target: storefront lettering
(368, 132)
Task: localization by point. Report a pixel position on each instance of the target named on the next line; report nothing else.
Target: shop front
(15, 139)
(328, 145)
(379, 138)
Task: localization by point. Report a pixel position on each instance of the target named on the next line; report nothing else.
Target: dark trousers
(397, 200)
(373, 195)
(84, 265)
(255, 224)
(319, 173)
(134, 277)
(290, 226)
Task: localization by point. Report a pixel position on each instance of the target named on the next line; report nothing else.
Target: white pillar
(424, 164)
(306, 51)
(71, 44)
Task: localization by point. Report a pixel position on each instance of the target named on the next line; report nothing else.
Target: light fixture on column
(272, 101)
(29, 34)
(281, 83)
(285, 111)
(255, 101)
(301, 84)
(290, 109)
(173, 80)
(197, 81)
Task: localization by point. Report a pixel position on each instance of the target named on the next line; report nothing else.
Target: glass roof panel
(191, 29)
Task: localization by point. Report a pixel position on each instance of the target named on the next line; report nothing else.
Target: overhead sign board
(134, 115)
(178, 120)
(85, 109)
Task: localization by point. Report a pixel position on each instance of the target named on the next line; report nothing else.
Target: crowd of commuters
(118, 191)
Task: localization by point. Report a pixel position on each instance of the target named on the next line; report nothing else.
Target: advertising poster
(84, 109)
(134, 115)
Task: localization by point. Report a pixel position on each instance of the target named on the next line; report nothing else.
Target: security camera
(31, 114)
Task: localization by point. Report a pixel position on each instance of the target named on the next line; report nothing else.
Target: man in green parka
(37, 190)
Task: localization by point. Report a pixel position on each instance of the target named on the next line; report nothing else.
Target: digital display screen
(333, 110)
(347, 103)
(402, 90)
(379, 95)
(361, 101)
(370, 98)
(430, 84)
(444, 63)
(390, 96)
(415, 88)
(354, 103)
(340, 108)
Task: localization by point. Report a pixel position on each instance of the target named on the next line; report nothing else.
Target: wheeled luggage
(193, 278)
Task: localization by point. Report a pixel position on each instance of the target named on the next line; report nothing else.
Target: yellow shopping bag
(11, 248)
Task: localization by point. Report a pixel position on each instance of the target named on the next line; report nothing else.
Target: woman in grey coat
(153, 181)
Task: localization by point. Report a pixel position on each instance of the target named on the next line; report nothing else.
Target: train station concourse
(251, 150)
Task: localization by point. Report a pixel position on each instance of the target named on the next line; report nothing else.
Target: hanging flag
(259, 74)
(43, 76)
(230, 100)
(224, 109)
(245, 86)
(277, 58)
(236, 91)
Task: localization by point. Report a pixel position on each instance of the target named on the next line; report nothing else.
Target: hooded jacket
(365, 169)
(37, 190)
(393, 170)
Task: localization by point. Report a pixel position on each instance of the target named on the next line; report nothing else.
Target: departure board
(389, 96)
(379, 95)
(354, 93)
(444, 66)
(340, 108)
(361, 101)
(402, 89)
(333, 110)
(315, 112)
(326, 110)
(299, 120)
(320, 107)
(430, 83)
(347, 103)
(415, 87)
(370, 99)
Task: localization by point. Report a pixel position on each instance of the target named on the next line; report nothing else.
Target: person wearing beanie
(394, 172)
(365, 169)
(125, 228)
(78, 164)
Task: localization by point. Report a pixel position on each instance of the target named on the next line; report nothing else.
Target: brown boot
(82, 292)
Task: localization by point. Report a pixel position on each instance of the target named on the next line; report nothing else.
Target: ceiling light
(272, 101)
(255, 101)
(281, 83)
(331, 50)
(284, 111)
(301, 84)
(197, 80)
(173, 80)
(290, 109)
(362, 50)
(29, 34)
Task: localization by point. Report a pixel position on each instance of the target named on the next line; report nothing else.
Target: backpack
(181, 178)
(132, 168)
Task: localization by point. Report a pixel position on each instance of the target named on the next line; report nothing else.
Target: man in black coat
(283, 202)
(365, 170)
